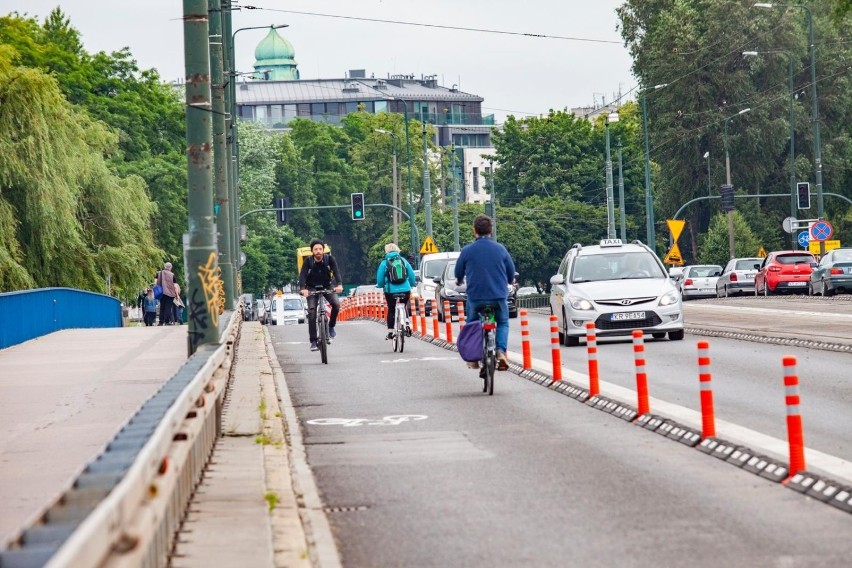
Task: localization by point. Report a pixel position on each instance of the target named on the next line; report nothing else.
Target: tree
(714, 247)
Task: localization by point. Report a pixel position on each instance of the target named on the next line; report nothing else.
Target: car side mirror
(814, 265)
(557, 279)
(437, 280)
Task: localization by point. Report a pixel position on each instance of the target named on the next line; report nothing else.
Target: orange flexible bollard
(436, 333)
(592, 350)
(641, 377)
(448, 320)
(556, 356)
(462, 318)
(708, 416)
(795, 435)
(525, 340)
(413, 302)
(422, 309)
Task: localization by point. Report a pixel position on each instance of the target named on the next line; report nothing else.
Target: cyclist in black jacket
(320, 270)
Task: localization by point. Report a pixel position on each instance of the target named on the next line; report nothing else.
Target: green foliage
(714, 247)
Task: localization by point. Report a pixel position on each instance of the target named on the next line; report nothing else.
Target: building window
(261, 112)
(304, 109)
(381, 106)
(289, 113)
(351, 107)
(317, 109)
(475, 180)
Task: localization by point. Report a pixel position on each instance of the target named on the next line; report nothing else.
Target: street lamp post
(395, 196)
(709, 187)
(456, 244)
(814, 106)
(621, 194)
(427, 185)
(610, 202)
(728, 181)
(649, 198)
(793, 204)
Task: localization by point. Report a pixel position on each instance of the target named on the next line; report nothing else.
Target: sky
(515, 74)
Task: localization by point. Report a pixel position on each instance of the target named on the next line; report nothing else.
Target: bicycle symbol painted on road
(386, 421)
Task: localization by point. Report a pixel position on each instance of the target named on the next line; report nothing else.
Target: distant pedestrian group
(168, 304)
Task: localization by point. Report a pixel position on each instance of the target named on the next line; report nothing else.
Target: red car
(784, 271)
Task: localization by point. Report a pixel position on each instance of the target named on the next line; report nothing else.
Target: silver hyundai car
(620, 287)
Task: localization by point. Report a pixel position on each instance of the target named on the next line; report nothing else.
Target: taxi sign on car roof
(611, 242)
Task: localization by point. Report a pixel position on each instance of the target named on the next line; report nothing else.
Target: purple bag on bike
(469, 341)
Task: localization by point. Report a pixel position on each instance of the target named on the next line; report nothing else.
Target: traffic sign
(787, 224)
(428, 246)
(761, 252)
(829, 245)
(821, 231)
(674, 257)
(803, 239)
(675, 227)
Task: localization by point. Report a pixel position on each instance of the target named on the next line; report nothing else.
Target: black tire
(513, 314)
(826, 291)
(322, 340)
(676, 335)
(571, 341)
(490, 368)
(562, 334)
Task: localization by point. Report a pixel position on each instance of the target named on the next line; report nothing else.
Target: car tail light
(836, 271)
(733, 276)
(688, 282)
(774, 269)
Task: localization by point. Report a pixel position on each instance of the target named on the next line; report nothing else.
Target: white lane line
(770, 311)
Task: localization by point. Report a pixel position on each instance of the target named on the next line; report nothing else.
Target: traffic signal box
(803, 191)
(727, 193)
(358, 206)
(281, 217)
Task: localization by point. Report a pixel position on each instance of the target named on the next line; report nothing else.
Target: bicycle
(399, 328)
(489, 347)
(323, 338)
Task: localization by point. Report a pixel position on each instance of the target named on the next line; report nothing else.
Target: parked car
(618, 287)
(447, 289)
(527, 291)
(431, 266)
(738, 276)
(363, 289)
(784, 271)
(698, 280)
(832, 274)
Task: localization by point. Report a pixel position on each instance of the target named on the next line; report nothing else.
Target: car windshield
(747, 264)
(434, 268)
(594, 268)
(794, 258)
(294, 304)
(704, 271)
(843, 256)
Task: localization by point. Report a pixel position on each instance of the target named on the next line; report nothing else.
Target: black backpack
(396, 270)
(325, 263)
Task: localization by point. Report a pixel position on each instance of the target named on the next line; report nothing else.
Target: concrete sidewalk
(245, 512)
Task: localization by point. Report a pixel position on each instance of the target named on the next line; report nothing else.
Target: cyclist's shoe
(408, 328)
(389, 335)
(473, 364)
(314, 346)
(502, 361)
(332, 333)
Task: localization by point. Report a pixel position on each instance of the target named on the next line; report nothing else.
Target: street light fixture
(395, 196)
(814, 105)
(649, 199)
(709, 186)
(610, 202)
(728, 180)
(793, 209)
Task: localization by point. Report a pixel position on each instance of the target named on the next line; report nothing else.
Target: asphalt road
(526, 477)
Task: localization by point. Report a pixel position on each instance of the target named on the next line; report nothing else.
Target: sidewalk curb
(321, 544)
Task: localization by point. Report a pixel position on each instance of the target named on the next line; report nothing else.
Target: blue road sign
(821, 231)
(804, 239)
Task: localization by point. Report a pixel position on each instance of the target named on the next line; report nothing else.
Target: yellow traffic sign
(761, 252)
(813, 246)
(428, 246)
(676, 227)
(674, 257)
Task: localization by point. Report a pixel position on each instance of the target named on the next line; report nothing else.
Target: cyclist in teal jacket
(383, 282)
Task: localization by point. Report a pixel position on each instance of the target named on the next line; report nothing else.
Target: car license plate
(626, 316)
(796, 283)
(707, 290)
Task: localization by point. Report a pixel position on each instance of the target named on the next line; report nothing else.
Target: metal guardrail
(126, 505)
(534, 301)
(27, 314)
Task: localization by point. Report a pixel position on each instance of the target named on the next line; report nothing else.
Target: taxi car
(620, 287)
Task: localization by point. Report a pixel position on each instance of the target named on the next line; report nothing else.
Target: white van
(289, 309)
(431, 266)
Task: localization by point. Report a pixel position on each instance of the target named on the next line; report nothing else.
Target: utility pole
(395, 198)
(427, 191)
(621, 194)
(493, 198)
(201, 254)
(220, 153)
(610, 203)
(456, 244)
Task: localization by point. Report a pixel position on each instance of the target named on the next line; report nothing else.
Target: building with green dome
(275, 59)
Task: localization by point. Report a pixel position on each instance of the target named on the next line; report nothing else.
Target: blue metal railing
(28, 314)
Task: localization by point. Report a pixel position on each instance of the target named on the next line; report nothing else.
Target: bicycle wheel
(322, 336)
(490, 367)
(400, 329)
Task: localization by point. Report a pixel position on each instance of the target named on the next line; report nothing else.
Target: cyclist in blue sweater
(383, 281)
(489, 271)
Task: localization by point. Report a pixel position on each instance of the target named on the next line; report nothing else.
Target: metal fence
(28, 314)
(125, 507)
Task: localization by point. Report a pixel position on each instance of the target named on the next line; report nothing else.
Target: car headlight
(450, 293)
(580, 303)
(430, 288)
(669, 298)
